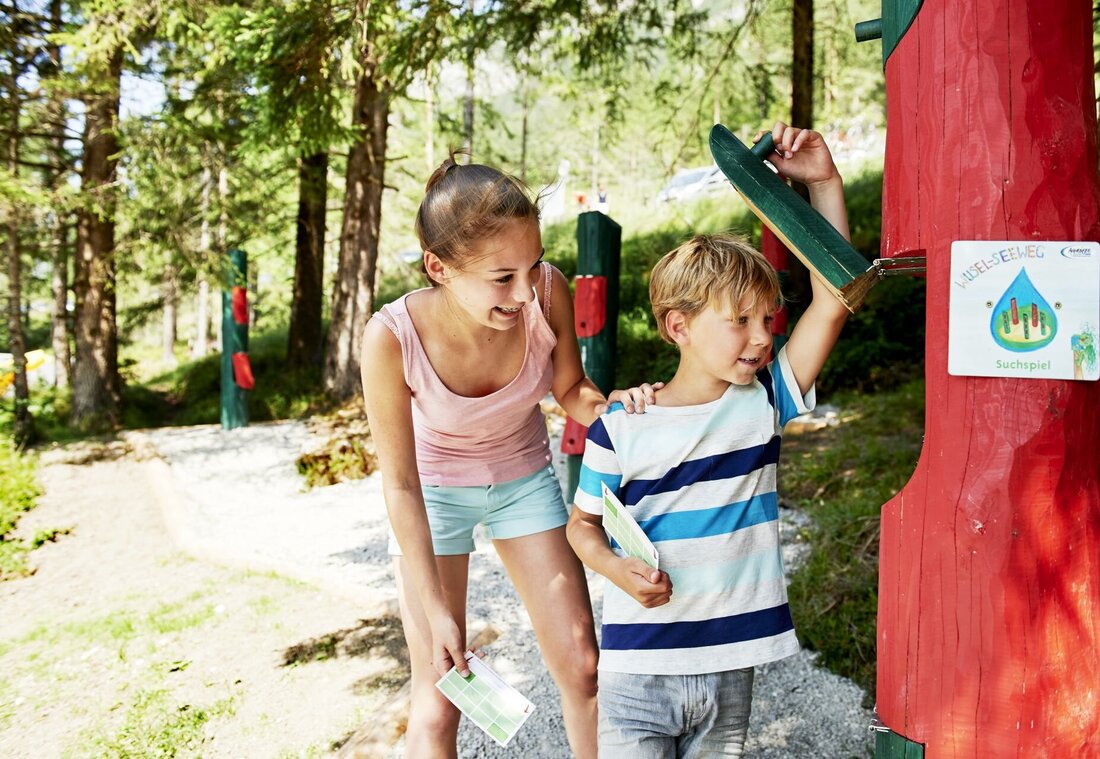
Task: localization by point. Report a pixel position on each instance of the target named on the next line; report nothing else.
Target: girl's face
(498, 277)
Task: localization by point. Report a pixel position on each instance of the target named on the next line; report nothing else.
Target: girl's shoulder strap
(392, 314)
(548, 277)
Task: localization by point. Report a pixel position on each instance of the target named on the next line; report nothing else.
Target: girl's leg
(433, 721)
(551, 582)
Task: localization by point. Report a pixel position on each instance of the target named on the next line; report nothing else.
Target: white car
(693, 183)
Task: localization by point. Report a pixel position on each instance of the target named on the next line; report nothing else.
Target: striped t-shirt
(700, 480)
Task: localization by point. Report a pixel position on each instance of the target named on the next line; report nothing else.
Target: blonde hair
(710, 270)
(465, 204)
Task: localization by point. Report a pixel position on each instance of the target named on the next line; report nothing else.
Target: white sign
(1024, 309)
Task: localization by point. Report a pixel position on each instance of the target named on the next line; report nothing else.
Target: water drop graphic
(1022, 319)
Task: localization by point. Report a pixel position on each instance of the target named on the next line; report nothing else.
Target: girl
(452, 376)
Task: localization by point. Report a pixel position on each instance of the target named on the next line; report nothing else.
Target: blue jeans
(666, 716)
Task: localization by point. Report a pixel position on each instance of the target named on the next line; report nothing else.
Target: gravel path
(238, 498)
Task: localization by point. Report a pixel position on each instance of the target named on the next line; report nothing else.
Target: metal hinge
(893, 267)
(877, 725)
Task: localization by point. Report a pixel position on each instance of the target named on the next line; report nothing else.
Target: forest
(146, 139)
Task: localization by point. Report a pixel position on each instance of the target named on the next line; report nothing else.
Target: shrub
(19, 490)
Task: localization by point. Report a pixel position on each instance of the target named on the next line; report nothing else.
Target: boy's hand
(801, 154)
(634, 399)
(648, 586)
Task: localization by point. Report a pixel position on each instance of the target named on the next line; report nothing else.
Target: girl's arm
(389, 414)
(572, 389)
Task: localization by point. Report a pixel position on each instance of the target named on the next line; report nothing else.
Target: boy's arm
(649, 587)
(802, 155)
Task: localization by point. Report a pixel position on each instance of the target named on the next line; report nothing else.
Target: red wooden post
(989, 585)
(779, 257)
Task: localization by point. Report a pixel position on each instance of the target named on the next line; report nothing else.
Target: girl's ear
(434, 268)
(676, 325)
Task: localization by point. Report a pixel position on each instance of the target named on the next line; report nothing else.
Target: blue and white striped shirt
(700, 480)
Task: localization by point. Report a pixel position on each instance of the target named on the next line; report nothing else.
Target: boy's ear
(434, 267)
(676, 325)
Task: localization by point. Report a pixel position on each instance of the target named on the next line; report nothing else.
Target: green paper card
(493, 705)
(621, 525)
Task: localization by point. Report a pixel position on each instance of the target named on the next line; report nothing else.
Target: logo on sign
(1073, 251)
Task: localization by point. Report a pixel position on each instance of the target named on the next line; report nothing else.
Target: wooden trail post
(236, 372)
(989, 588)
(596, 319)
(778, 256)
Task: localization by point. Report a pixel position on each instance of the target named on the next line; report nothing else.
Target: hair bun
(448, 163)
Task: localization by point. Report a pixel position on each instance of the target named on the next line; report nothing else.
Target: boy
(697, 471)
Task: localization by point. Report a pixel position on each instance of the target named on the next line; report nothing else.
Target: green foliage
(191, 393)
(339, 460)
(642, 355)
(841, 476)
(19, 490)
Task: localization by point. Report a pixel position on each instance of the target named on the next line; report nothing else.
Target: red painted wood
(989, 586)
(590, 305)
(779, 257)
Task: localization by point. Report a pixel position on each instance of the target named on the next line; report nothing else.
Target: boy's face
(730, 342)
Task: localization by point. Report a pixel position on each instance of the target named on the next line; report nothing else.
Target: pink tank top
(487, 440)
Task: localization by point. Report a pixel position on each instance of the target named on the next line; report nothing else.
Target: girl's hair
(711, 270)
(465, 204)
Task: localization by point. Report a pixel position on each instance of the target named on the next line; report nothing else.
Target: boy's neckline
(703, 406)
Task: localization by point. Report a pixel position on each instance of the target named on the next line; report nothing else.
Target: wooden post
(596, 319)
(989, 589)
(236, 370)
(778, 256)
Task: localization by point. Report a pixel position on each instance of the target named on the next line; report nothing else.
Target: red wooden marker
(989, 577)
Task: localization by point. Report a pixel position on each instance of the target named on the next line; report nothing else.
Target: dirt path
(122, 645)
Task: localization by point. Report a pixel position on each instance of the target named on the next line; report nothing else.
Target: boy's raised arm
(802, 155)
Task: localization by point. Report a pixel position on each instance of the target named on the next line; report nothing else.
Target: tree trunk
(353, 290)
(304, 343)
(202, 317)
(58, 224)
(168, 321)
(802, 115)
(468, 104)
(429, 117)
(23, 430)
(221, 242)
(96, 395)
(59, 287)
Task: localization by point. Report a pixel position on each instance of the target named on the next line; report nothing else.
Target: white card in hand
(621, 526)
(494, 705)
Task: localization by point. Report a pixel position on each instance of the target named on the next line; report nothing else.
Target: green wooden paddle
(802, 229)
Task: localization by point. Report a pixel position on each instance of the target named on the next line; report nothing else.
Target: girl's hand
(801, 154)
(448, 648)
(634, 399)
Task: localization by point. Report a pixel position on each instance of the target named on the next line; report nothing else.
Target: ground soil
(121, 645)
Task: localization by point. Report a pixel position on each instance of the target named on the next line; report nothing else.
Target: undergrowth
(19, 490)
(841, 476)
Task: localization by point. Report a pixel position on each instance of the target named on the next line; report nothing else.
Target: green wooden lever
(802, 229)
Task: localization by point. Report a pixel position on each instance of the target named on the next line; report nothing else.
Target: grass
(19, 490)
(155, 726)
(841, 476)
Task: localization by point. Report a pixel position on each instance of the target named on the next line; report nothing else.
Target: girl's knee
(433, 714)
(578, 674)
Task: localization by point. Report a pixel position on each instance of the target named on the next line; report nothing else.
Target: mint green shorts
(512, 509)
